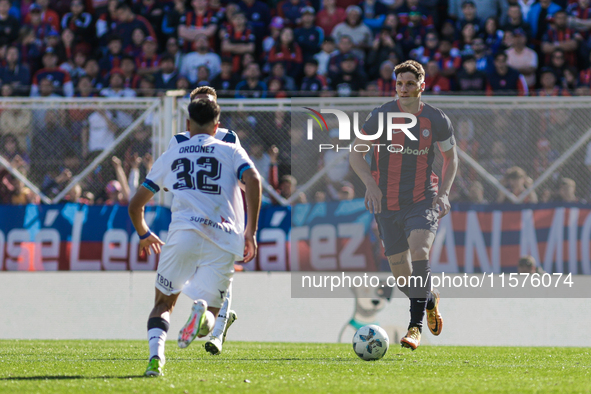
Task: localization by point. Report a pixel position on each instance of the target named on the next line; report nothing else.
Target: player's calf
(157, 332)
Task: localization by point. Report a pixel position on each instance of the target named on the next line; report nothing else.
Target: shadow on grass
(73, 377)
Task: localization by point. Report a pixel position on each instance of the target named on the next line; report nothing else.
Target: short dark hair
(85, 77)
(411, 66)
(114, 37)
(204, 90)
(204, 111)
(127, 57)
(123, 6)
(167, 57)
(515, 173)
(500, 54)
(288, 179)
(527, 261)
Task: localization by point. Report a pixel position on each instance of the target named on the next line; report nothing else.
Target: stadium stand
(272, 49)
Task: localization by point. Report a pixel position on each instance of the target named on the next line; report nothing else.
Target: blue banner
(339, 236)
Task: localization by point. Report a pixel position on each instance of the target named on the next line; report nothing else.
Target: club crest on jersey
(426, 133)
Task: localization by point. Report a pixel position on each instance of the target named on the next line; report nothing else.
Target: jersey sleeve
(445, 134)
(177, 139)
(155, 177)
(242, 162)
(370, 127)
(172, 143)
(238, 144)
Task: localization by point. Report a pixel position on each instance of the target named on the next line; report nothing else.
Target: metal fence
(546, 137)
(49, 146)
(73, 148)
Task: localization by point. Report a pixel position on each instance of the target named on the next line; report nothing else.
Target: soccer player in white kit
(226, 316)
(207, 232)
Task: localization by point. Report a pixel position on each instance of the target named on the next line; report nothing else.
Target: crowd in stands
(252, 48)
(257, 49)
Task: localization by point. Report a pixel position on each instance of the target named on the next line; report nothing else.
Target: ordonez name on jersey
(197, 149)
(211, 223)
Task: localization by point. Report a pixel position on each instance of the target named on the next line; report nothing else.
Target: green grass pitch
(117, 366)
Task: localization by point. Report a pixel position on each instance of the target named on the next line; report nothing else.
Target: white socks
(222, 319)
(156, 339)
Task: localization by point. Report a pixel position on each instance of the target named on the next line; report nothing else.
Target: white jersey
(203, 174)
(221, 134)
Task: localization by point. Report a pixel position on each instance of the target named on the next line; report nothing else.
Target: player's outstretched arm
(450, 167)
(373, 194)
(136, 213)
(253, 192)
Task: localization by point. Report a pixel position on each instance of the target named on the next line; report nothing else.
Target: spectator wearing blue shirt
(538, 16)
(251, 86)
(14, 73)
(469, 15)
(59, 78)
(9, 25)
(483, 60)
(374, 14)
(258, 14)
(291, 11)
(309, 37)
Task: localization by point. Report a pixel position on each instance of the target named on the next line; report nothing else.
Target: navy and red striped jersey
(556, 36)
(407, 177)
(511, 84)
(125, 29)
(574, 9)
(192, 19)
(59, 78)
(387, 88)
(452, 60)
(237, 37)
(143, 61)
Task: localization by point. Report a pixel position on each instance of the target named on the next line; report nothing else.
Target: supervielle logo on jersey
(390, 124)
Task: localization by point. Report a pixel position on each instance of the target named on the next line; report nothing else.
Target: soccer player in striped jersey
(226, 316)
(403, 191)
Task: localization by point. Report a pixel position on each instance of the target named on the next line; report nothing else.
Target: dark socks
(420, 293)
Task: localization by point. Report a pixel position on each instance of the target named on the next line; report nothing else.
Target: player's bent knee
(419, 253)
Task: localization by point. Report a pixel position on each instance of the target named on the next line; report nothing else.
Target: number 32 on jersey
(208, 169)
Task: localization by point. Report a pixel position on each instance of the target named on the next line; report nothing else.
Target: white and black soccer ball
(207, 325)
(370, 342)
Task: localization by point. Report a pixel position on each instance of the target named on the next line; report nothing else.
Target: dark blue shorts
(395, 227)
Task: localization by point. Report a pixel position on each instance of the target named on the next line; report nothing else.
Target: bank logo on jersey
(415, 152)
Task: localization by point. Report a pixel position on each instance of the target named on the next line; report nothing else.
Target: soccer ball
(370, 342)
(207, 325)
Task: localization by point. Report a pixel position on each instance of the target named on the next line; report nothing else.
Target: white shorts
(188, 257)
